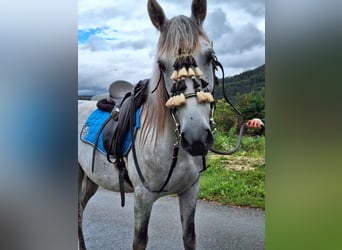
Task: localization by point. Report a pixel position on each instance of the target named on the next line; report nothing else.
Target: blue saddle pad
(93, 125)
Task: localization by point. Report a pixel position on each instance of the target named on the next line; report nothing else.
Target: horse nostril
(197, 145)
(198, 148)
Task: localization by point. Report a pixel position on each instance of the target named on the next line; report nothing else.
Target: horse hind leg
(86, 189)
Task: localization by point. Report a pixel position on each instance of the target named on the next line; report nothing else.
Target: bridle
(216, 65)
(208, 98)
(185, 66)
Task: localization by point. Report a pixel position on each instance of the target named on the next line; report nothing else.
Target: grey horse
(179, 99)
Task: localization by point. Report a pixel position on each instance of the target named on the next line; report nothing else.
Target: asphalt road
(108, 226)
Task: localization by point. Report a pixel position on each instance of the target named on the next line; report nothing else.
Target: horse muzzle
(197, 144)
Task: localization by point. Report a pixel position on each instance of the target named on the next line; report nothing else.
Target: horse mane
(181, 35)
(154, 112)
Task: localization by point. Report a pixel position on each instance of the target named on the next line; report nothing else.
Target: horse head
(185, 59)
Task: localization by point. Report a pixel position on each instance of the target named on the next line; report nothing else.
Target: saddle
(123, 100)
(121, 94)
(117, 91)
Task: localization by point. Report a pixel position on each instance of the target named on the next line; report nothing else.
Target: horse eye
(209, 57)
(162, 66)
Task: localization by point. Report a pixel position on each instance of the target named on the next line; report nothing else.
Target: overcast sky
(116, 39)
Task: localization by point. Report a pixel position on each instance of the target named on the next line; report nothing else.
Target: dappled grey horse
(175, 134)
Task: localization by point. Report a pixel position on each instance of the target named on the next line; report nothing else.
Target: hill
(251, 80)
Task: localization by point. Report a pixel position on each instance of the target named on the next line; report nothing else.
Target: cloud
(247, 60)
(255, 8)
(216, 24)
(117, 40)
(239, 40)
(99, 69)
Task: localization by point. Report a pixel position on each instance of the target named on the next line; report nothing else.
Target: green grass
(253, 146)
(238, 179)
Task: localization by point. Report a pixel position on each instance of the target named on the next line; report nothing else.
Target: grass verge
(236, 180)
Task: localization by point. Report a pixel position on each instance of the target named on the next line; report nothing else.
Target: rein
(218, 64)
(232, 151)
(174, 156)
(242, 128)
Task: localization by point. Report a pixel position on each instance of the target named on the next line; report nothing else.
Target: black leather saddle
(123, 101)
(116, 93)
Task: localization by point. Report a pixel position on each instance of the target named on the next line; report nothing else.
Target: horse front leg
(187, 205)
(143, 203)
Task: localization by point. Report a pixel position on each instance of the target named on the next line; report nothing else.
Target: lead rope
(232, 151)
(212, 123)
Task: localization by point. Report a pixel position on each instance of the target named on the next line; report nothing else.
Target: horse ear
(156, 14)
(199, 11)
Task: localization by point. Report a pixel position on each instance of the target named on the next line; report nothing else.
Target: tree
(252, 105)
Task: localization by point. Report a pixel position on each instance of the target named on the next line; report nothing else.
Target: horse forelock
(181, 35)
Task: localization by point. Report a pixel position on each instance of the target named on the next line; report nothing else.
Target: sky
(117, 41)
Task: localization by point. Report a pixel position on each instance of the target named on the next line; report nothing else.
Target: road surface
(107, 226)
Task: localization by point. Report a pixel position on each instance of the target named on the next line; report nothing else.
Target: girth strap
(97, 142)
